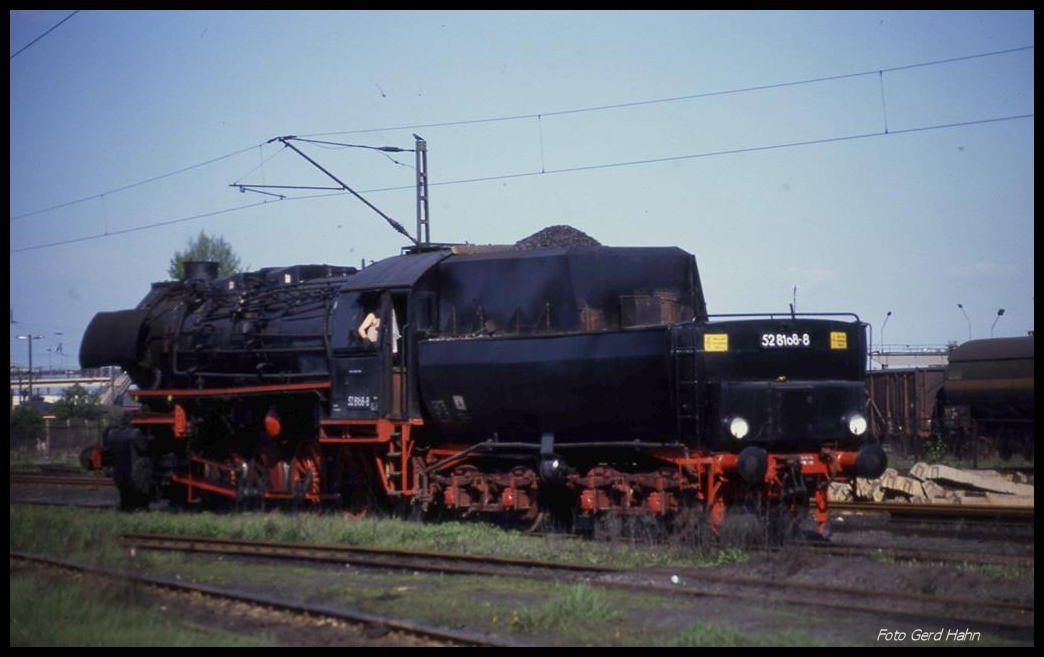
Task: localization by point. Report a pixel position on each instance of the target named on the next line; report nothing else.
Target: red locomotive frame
(446, 476)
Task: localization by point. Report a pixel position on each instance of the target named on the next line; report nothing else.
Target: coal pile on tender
(557, 237)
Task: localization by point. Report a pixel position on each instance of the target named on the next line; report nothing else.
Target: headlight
(739, 428)
(856, 424)
(552, 469)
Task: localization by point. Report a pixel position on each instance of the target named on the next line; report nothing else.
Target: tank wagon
(987, 395)
(576, 381)
(979, 405)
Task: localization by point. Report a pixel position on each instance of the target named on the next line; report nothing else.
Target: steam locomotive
(482, 380)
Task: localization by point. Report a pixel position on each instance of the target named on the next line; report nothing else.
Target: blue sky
(770, 187)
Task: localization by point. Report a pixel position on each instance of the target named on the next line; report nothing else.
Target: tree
(77, 402)
(205, 247)
(27, 428)
(26, 419)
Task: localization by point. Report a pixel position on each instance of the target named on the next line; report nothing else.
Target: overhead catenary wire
(124, 231)
(394, 224)
(383, 150)
(56, 26)
(261, 165)
(110, 192)
(529, 174)
(541, 115)
(674, 99)
(523, 174)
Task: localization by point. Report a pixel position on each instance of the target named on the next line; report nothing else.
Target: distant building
(48, 385)
(910, 356)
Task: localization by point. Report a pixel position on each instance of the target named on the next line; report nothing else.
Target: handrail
(785, 315)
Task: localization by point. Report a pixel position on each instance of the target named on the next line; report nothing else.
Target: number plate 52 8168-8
(783, 340)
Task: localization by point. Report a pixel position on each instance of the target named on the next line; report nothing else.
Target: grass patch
(574, 612)
(93, 535)
(555, 614)
(727, 556)
(60, 611)
(704, 635)
(1006, 572)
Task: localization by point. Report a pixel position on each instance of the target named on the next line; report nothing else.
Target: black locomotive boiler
(482, 380)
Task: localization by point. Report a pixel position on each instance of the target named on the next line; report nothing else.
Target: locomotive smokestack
(200, 271)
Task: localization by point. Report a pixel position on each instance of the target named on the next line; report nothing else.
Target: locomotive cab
(371, 376)
(374, 326)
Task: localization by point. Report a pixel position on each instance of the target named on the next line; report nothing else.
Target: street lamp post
(30, 337)
(881, 348)
(961, 306)
(1000, 312)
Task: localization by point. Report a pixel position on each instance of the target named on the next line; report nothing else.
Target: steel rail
(1022, 514)
(444, 562)
(1016, 619)
(51, 480)
(71, 505)
(921, 554)
(496, 566)
(431, 632)
(953, 529)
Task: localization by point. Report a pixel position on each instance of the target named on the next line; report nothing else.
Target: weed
(93, 535)
(573, 612)
(704, 635)
(61, 611)
(728, 556)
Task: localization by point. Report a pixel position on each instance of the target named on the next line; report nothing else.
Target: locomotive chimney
(200, 271)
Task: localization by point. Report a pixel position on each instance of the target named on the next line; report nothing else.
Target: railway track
(66, 481)
(424, 561)
(690, 583)
(71, 505)
(967, 512)
(929, 555)
(441, 636)
(891, 603)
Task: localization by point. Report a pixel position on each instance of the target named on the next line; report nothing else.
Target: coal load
(557, 237)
